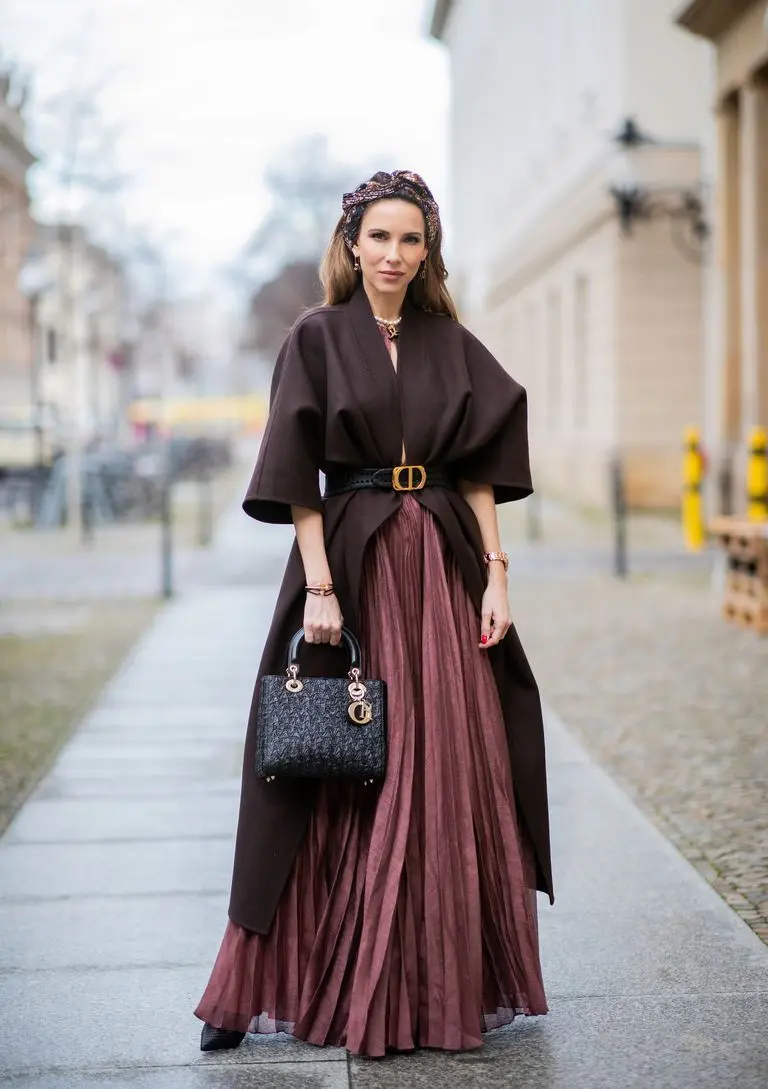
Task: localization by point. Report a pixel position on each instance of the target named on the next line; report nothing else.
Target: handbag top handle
(349, 640)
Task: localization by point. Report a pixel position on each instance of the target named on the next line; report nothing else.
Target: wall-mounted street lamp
(681, 205)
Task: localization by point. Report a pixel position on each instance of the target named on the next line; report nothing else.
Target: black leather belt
(402, 478)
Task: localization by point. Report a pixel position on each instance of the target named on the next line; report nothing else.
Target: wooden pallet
(745, 582)
(746, 611)
(745, 585)
(745, 601)
(739, 534)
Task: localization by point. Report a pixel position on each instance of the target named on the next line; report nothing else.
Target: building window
(581, 352)
(554, 390)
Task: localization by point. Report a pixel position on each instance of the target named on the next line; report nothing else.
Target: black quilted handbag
(321, 727)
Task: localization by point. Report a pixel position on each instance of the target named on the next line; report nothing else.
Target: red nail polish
(484, 639)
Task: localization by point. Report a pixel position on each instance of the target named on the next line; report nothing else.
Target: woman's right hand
(322, 619)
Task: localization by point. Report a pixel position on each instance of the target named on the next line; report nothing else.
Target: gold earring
(423, 272)
(357, 264)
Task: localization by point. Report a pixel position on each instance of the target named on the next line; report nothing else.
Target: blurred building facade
(600, 316)
(182, 349)
(16, 228)
(737, 376)
(80, 320)
(202, 345)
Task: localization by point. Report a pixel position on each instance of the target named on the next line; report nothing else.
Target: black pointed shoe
(213, 1039)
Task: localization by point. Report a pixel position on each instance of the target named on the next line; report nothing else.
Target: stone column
(729, 261)
(754, 251)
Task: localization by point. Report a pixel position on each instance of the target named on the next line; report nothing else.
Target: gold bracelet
(502, 557)
(321, 589)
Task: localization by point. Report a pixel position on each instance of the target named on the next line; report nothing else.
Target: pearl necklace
(391, 326)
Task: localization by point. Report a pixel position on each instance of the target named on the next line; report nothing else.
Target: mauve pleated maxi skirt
(408, 919)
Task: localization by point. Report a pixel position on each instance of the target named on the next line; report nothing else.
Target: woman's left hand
(495, 615)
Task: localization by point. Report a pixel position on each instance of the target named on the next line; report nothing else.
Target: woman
(402, 917)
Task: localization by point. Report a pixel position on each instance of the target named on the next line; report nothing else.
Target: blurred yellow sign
(247, 410)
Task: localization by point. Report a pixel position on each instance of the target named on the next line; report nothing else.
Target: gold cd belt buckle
(410, 471)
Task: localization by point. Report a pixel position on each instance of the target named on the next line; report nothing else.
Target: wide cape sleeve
(496, 434)
(288, 465)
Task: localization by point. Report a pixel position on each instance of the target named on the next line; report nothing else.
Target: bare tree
(304, 186)
(279, 264)
(278, 303)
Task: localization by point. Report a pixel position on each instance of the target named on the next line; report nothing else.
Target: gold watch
(502, 557)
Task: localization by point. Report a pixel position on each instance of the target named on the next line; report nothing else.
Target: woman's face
(391, 245)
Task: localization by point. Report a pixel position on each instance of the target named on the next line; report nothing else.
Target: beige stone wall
(557, 334)
(737, 348)
(595, 325)
(659, 356)
(753, 273)
(608, 342)
(15, 237)
(605, 331)
(15, 337)
(80, 382)
(742, 49)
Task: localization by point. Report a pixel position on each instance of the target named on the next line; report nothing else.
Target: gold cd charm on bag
(360, 711)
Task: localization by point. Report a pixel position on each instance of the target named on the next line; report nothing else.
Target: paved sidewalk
(114, 881)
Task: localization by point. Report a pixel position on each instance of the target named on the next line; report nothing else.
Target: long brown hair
(340, 281)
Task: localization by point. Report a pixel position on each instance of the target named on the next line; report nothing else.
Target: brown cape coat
(337, 400)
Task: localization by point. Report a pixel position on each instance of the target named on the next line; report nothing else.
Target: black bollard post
(204, 507)
(86, 519)
(39, 481)
(725, 486)
(87, 511)
(619, 510)
(166, 525)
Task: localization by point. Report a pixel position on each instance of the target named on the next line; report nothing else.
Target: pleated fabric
(408, 920)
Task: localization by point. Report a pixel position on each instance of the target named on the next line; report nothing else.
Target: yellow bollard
(757, 476)
(693, 504)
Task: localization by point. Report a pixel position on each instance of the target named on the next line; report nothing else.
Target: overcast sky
(206, 92)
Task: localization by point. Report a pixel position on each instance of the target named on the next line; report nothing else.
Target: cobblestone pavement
(667, 696)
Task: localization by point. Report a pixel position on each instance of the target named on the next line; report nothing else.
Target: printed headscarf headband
(403, 184)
